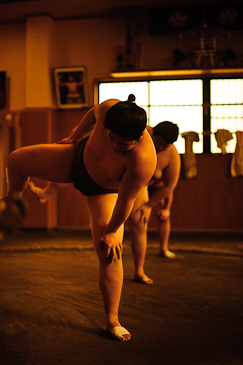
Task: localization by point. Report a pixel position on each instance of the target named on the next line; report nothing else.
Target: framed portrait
(71, 86)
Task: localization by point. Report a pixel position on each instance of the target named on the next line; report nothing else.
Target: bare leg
(54, 163)
(48, 162)
(139, 247)
(43, 161)
(110, 275)
(138, 233)
(43, 194)
(164, 234)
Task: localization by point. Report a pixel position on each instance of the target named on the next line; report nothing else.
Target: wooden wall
(212, 201)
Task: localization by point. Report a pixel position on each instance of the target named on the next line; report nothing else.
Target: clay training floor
(51, 310)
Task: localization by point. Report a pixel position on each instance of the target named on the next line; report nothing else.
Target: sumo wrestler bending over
(110, 167)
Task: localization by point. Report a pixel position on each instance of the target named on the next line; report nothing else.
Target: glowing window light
(184, 117)
(121, 91)
(179, 101)
(226, 110)
(176, 92)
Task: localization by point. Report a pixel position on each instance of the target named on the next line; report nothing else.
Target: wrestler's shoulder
(147, 143)
(145, 151)
(101, 109)
(108, 103)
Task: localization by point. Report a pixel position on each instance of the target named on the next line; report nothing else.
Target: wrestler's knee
(106, 256)
(163, 215)
(138, 225)
(108, 260)
(13, 159)
(16, 159)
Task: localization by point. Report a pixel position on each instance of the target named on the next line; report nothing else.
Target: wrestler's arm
(137, 175)
(84, 127)
(170, 178)
(102, 109)
(87, 123)
(163, 208)
(168, 201)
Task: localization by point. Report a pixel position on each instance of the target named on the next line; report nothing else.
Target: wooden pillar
(38, 118)
(39, 34)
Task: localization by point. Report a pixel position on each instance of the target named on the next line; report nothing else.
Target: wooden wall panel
(212, 201)
(38, 126)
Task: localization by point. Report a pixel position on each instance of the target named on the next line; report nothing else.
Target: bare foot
(120, 333)
(41, 196)
(13, 209)
(143, 279)
(167, 254)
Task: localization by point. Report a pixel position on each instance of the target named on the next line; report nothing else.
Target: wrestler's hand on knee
(163, 214)
(111, 247)
(142, 213)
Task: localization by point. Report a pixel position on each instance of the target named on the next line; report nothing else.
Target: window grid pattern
(181, 101)
(226, 109)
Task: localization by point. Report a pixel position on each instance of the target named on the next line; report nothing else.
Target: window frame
(205, 75)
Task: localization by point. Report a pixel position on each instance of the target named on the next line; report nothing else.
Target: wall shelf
(174, 73)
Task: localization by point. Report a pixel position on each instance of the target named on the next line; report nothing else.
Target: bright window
(182, 102)
(179, 101)
(121, 90)
(226, 109)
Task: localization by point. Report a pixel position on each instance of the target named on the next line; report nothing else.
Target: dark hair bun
(131, 98)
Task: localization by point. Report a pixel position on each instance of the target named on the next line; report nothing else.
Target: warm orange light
(157, 73)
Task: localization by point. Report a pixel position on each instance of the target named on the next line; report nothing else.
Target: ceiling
(18, 10)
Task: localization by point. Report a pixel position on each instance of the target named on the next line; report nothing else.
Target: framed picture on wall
(71, 86)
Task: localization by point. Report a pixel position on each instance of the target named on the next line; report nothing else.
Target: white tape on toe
(118, 332)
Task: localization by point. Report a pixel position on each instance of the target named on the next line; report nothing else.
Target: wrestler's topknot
(131, 98)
